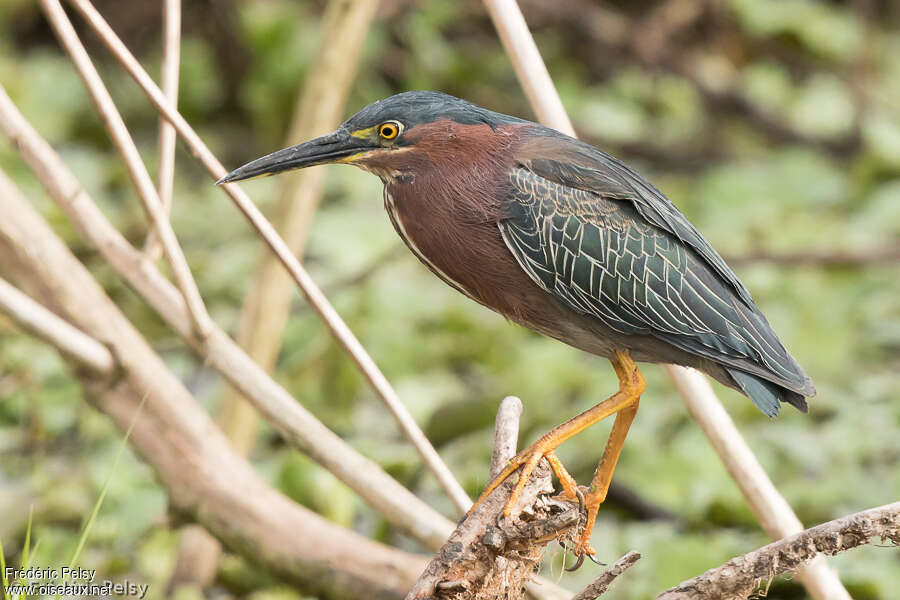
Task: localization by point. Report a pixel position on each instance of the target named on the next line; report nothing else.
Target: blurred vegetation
(773, 124)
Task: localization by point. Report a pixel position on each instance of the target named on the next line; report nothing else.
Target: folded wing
(607, 244)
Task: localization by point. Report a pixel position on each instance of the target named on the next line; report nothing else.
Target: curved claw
(580, 495)
(577, 564)
(595, 561)
(580, 561)
(581, 549)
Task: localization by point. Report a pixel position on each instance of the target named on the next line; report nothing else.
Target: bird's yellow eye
(389, 130)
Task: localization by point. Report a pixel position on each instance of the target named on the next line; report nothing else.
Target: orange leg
(603, 475)
(623, 404)
(569, 485)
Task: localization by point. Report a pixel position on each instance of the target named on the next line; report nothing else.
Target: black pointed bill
(338, 146)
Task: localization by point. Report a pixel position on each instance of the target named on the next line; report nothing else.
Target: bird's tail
(766, 395)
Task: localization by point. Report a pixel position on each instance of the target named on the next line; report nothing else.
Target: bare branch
(741, 576)
(599, 586)
(36, 319)
(770, 507)
(118, 132)
(528, 64)
(490, 556)
(266, 307)
(171, 57)
(313, 294)
(319, 109)
(506, 434)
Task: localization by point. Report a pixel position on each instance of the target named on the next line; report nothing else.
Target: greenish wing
(597, 255)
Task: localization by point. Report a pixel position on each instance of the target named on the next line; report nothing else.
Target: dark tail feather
(767, 396)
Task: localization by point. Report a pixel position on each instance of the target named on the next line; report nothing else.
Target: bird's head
(387, 137)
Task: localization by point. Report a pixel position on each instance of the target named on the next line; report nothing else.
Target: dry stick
(506, 434)
(203, 477)
(741, 576)
(318, 110)
(599, 586)
(528, 64)
(266, 306)
(769, 506)
(298, 427)
(506, 440)
(165, 176)
(491, 556)
(45, 324)
(310, 290)
(118, 132)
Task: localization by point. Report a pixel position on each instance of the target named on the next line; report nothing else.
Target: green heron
(564, 239)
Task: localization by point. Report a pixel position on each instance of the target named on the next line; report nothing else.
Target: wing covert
(599, 257)
(586, 168)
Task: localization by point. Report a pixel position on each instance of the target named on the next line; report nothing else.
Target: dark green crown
(416, 108)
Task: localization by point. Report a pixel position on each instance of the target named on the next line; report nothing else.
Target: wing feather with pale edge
(607, 244)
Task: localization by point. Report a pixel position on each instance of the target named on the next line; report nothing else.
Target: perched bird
(564, 239)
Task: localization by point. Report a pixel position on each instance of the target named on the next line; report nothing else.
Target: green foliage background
(774, 125)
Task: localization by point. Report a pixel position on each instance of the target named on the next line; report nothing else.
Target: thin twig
(528, 64)
(36, 319)
(506, 434)
(123, 142)
(266, 307)
(314, 295)
(741, 576)
(770, 507)
(165, 176)
(599, 586)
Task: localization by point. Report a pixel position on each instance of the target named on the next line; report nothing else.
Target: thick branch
(741, 576)
(506, 434)
(203, 476)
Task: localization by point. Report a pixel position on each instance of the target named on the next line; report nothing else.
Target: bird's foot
(528, 460)
(582, 546)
